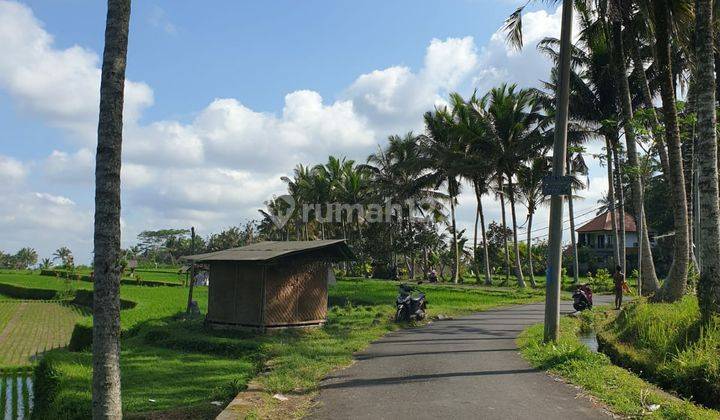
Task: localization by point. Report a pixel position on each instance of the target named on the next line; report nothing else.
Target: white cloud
(394, 99)
(62, 167)
(500, 62)
(11, 170)
(219, 168)
(59, 85)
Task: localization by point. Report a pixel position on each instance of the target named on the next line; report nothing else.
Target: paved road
(454, 369)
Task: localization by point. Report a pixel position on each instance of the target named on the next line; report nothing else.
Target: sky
(222, 101)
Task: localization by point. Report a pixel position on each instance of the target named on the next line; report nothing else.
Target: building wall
(296, 292)
(235, 294)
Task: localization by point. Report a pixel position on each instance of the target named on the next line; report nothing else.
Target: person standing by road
(619, 278)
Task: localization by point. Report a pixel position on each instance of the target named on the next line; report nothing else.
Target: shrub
(602, 281)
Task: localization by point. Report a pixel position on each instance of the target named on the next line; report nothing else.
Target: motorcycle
(582, 298)
(409, 307)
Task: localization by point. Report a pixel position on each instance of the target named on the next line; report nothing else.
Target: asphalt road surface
(463, 368)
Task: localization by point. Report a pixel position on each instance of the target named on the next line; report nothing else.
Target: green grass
(152, 302)
(179, 363)
(624, 392)
(668, 342)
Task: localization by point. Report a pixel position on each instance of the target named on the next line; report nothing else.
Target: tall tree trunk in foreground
(516, 247)
(504, 226)
(709, 286)
(488, 276)
(106, 401)
(676, 282)
(611, 200)
(649, 278)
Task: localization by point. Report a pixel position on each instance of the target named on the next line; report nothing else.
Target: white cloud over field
(217, 169)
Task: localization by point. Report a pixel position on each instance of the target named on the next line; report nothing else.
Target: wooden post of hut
(272, 284)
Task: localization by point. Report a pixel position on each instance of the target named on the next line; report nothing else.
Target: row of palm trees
(495, 144)
(629, 53)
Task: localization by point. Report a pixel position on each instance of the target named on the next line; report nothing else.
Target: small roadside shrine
(272, 284)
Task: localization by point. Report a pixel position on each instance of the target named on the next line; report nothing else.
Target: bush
(602, 281)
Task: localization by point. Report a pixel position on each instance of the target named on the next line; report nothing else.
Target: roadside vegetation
(667, 344)
(622, 391)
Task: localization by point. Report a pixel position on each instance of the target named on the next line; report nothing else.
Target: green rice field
(28, 328)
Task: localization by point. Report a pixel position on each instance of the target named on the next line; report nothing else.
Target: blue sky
(223, 100)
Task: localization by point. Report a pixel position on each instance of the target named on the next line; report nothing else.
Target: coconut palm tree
(63, 254)
(472, 130)
(26, 257)
(529, 182)
(649, 278)
(46, 264)
(576, 167)
(709, 285)
(676, 282)
(517, 133)
(106, 400)
(299, 187)
(443, 158)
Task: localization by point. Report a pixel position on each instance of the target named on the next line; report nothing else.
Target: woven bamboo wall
(296, 292)
(235, 295)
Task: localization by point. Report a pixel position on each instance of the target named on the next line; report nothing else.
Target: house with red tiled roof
(598, 238)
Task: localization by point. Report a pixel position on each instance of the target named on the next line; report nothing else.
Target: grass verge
(667, 344)
(621, 390)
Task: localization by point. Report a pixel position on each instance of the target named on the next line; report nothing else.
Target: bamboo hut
(271, 284)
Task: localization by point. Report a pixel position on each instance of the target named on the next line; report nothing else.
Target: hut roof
(268, 251)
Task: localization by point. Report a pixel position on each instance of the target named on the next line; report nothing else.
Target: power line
(548, 234)
(567, 220)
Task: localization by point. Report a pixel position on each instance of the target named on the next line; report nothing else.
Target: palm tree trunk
(648, 102)
(475, 236)
(611, 200)
(106, 401)
(488, 276)
(516, 247)
(573, 242)
(676, 282)
(688, 154)
(504, 225)
(709, 285)
(529, 250)
(620, 190)
(649, 278)
(456, 270)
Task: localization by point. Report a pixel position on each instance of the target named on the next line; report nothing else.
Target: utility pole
(554, 262)
(192, 270)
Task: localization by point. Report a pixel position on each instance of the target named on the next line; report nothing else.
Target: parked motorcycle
(408, 306)
(582, 298)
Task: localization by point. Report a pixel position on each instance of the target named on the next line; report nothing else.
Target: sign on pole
(557, 185)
